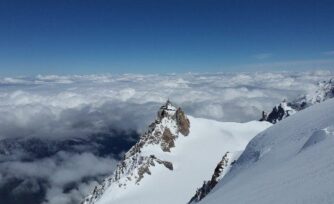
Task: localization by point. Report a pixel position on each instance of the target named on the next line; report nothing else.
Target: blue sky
(128, 36)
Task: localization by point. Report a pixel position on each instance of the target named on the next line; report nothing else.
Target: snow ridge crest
(159, 139)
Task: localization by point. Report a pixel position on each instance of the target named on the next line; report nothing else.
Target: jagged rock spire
(209, 185)
(136, 164)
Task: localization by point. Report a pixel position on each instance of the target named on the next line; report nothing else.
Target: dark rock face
(277, 114)
(167, 141)
(168, 165)
(209, 185)
(264, 116)
(182, 122)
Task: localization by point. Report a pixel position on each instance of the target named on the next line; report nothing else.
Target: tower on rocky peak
(137, 162)
(166, 110)
(173, 112)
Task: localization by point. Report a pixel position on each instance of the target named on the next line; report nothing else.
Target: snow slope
(290, 162)
(193, 157)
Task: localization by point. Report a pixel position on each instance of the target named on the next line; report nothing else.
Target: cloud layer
(83, 103)
(78, 108)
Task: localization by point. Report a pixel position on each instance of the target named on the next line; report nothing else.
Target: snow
(290, 162)
(287, 109)
(194, 157)
(324, 91)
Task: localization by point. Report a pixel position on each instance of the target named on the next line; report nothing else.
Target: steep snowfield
(193, 158)
(290, 162)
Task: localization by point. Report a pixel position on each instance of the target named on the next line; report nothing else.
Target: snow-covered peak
(146, 153)
(324, 91)
(172, 158)
(168, 108)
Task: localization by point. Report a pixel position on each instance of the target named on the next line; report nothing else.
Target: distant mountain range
(285, 108)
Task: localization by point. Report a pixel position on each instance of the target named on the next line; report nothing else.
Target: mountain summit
(172, 158)
(137, 163)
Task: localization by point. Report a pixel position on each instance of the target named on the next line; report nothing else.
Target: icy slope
(290, 162)
(151, 173)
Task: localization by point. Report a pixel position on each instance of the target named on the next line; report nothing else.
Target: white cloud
(59, 170)
(42, 105)
(66, 107)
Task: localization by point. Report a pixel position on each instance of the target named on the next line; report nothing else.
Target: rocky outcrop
(144, 168)
(167, 141)
(139, 161)
(278, 113)
(285, 109)
(182, 122)
(209, 185)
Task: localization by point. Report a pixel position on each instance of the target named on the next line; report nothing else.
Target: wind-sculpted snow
(65, 112)
(290, 162)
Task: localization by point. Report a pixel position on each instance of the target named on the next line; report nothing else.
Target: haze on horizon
(92, 37)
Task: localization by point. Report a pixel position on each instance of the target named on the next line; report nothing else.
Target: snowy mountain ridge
(173, 157)
(137, 162)
(290, 162)
(324, 91)
(283, 110)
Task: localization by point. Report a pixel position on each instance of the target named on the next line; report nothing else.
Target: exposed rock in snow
(182, 122)
(165, 162)
(167, 141)
(290, 162)
(220, 170)
(285, 109)
(136, 163)
(278, 113)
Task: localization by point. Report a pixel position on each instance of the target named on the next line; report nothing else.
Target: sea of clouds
(51, 107)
